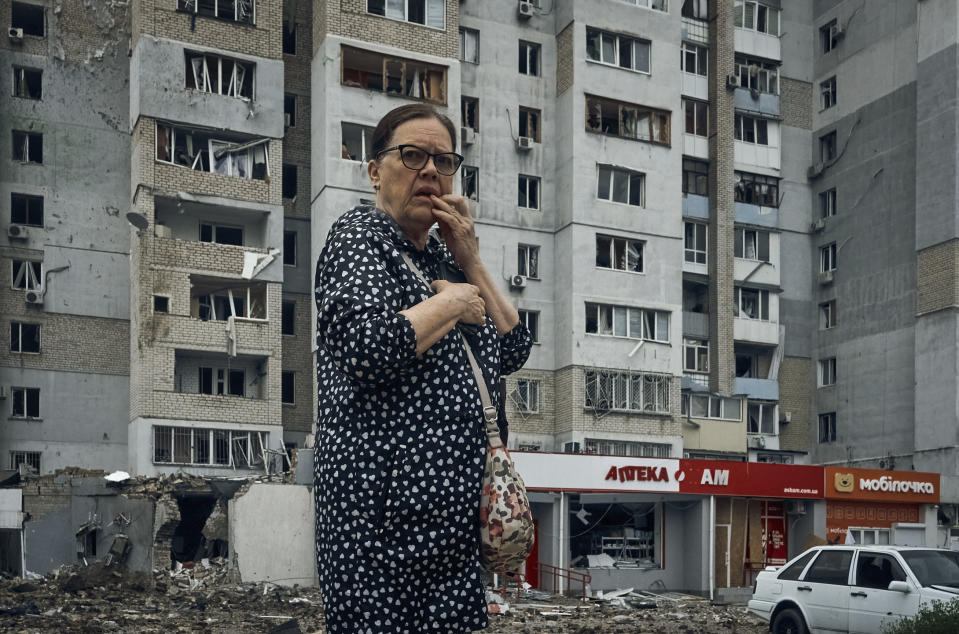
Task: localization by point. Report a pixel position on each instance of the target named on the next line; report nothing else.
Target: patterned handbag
(506, 527)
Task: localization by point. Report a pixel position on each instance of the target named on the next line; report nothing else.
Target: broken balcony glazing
(212, 374)
(219, 299)
(202, 151)
(189, 219)
(393, 75)
(243, 11)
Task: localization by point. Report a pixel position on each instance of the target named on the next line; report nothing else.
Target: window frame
(214, 227)
(530, 118)
(828, 257)
(287, 237)
(826, 41)
(29, 458)
(21, 85)
(650, 322)
(26, 402)
(288, 316)
(698, 118)
(715, 406)
(765, 78)
(698, 55)
(249, 151)
(760, 242)
(827, 203)
(828, 316)
(619, 39)
(827, 93)
(694, 251)
(33, 7)
(828, 147)
(23, 152)
(290, 185)
(620, 253)
(392, 75)
(26, 275)
(626, 448)
(700, 355)
(691, 172)
(18, 199)
(827, 428)
(465, 34)
(427, 21)
(760, 427)
(470, 175)
(468, 105)
(827, 372)
(530, 319)
(18, 327)
(762, 303)
(184, 6)
(284, 376)
(365, 135)
(618, 381)
(524, 182)
(636, 112)
(528, 402)
(289, 110)
(740, 14)
(530, 58)
(746, 127)
(749, 189)
(234, 87)
(218, 442)
(527, 260)
(631, 176)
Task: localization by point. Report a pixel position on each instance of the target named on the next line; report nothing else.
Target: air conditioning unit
(732, 81)
(815, 171)
(33, 297)
(16, 35)
(826, 277)
(796, 507)
(163, 231)
(18, 232)
(469, 135)
(525, 143)
(517, 281)
(757, 442)
(818, 225)
(837, 32)
(524, 10)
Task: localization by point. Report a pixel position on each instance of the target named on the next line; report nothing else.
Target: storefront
(869, 506)
(685, 525)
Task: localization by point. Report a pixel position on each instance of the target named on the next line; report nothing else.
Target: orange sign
(846, 483)
(840, 515)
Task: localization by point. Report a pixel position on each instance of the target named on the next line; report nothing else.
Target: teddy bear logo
(844, 482)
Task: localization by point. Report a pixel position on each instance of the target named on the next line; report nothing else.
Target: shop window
(27, 147)
(28, 17)
(219, 75)
(629, 121)
(241, 11)
(27, 82)
(471, 182)
(430, 13)
(469, 112)
(26, 210)
(24, 337)
(695, 177)
(529, 119)
(626, 531)
(621, 254)
(395, 76)
(530, 319)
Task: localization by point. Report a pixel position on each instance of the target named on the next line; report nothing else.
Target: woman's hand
(466, 300)
(456, 226)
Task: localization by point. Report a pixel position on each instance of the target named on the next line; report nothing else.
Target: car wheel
(789, 621)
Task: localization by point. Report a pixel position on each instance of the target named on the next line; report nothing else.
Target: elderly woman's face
(404, 193)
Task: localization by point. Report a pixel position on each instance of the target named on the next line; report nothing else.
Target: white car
(853, 588)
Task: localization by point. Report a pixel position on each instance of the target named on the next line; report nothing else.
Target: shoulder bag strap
(489, 412)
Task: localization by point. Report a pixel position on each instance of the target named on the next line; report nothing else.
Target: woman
(400, 444)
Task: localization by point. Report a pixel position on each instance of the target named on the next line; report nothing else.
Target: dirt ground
(203, 599)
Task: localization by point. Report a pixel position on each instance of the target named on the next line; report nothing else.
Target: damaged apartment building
(726, 245)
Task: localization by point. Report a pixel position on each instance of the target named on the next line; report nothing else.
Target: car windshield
(934, 567)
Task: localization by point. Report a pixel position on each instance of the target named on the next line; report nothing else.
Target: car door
(871, 603)
(824, 590)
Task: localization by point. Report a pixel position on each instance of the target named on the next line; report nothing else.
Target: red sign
(846, 483)
(752, 479)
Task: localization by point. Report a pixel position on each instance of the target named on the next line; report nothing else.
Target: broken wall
(272, 534)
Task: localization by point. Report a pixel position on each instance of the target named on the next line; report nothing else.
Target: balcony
(695, 325)
(761, 215)
(755, 101)
(757, 44)
(212, 220)
(756, 331)
(696, 206)
(695, 31)
(758, 389)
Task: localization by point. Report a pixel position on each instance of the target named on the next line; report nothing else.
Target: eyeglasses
(415, 158)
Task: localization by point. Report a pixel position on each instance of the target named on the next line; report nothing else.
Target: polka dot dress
(400, 446)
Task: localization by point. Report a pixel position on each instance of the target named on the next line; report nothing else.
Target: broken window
(219, 75)
(529, 119)
(430, 13)
(528, 261)
(751, 244)
(827, 258)
(747, 365)
(757, 74)
(697, 117)
(760, 418)
(289, 248)
(827, 147)
(751, 130)
(695, 177)
(27, 275)
(827, 427)
(194, 149)
(756, 189)
(695, 243)
(828, 39)
(529, 54)
(630, 121)
(187, 445)
(29, 458)
(469, 45)
(289, 181)
(628, 391)
(827, 315)
(471, 182)
(526, 395)
(28, 17)
(221, 234)
(26, 82)
(696, 9)
(620, 254)
(289, 110)
(469, 112)
(288, 320)
(620, 185)
(393, 75)
(751, 303)
(617, 50)
(827, 93)
(26, 402)
(627, 321)
(287, 393)
(357, 142)
(26, 210)
(214, 299)
(222, 381)
(530, 319)
(24, 337)
(529, 191)
(243, 11)
(693, 59)
(289, 37)
(161, 304)
(27, 147)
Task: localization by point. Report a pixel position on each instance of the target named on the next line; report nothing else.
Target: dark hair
(383, 132)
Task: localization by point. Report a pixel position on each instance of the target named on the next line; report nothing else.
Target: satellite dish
(137, 220)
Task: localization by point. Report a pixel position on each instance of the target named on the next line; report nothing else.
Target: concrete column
(721, 60)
